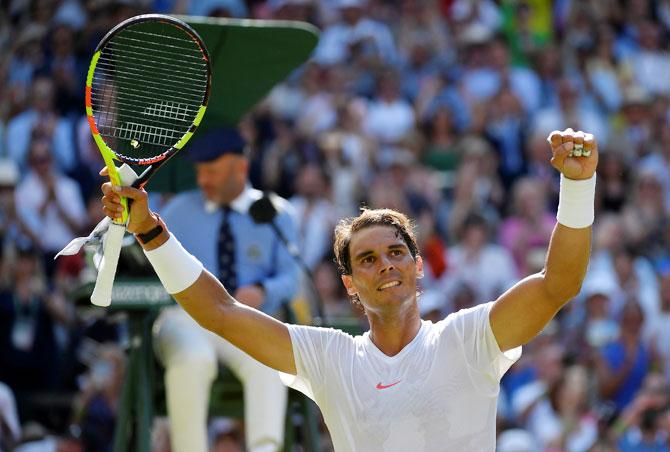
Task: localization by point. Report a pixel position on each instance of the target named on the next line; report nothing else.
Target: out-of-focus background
(440, 109)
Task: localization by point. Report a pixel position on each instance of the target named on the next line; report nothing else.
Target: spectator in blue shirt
(217, 228)
(624, 363)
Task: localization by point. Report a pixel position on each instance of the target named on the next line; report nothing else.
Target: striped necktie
(227, 266)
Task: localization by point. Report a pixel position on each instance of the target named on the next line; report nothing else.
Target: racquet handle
(102, 293)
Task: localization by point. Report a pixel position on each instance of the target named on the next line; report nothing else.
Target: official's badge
(254, 252)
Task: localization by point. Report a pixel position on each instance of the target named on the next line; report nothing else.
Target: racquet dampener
(146, 92)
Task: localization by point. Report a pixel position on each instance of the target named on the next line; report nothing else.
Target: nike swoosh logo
(381, 386)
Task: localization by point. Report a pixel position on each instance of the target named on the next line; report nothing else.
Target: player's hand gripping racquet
(146, 92)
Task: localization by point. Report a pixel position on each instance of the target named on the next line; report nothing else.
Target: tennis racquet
(146, 92)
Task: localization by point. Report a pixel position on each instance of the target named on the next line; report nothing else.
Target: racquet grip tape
(102, 292)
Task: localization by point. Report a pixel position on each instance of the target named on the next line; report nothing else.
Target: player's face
(222, 179)
(384, 273)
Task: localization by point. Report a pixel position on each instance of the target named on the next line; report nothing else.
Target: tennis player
(407, 384)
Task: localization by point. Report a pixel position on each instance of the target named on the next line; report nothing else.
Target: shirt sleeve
(486, 363)
(313, 349)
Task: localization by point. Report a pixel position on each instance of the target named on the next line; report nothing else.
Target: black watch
(152, 233)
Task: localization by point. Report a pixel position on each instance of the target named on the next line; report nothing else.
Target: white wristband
(576, 202)
(176, 268)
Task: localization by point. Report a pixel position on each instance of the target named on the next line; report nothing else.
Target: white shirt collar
(240, 204)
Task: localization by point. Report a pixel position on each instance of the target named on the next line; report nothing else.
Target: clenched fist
(574, 154)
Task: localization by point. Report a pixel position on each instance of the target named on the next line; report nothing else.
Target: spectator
(650, 60)
(632, 136)
(335, 301)
(43, 121)
(28, 348)
(65, 69)
(600, 327)
(645, 217)
(319, 112)
(97, 402)
(658, 161)
(27, 58)
(13, 230)
(49, 203)
(423, 44)
(441, 151)
(571, 111)
(314, 212)
(624, 363)
(533, 404)
(356, 38)
(505, 128)
(630, 273)
(347, 153)
(602, 72)
(658, 331)
(482, 13)
(389, 119)
(477, 186)
(521, 80)
(613, 182)
(641, 420)
(530, 224)
(473, 255)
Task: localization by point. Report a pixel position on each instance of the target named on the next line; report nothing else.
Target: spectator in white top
(355, 36)
(389, 118)
(651, 60)
(49, 203)
(472, 259)
(315, 213)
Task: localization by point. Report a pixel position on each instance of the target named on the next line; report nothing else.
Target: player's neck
(392, 333)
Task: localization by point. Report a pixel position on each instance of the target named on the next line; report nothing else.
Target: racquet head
(146, 91)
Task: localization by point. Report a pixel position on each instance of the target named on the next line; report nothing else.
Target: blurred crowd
(437, 108)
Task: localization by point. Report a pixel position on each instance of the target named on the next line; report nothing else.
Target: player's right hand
(141, 219)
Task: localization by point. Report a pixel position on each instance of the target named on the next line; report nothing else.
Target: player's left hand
(575, 154)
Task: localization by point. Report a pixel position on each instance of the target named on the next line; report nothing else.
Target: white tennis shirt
(438, 394)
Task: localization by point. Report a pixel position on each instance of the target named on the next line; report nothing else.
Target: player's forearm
(570, 245)
(205, 299)
(567, 260)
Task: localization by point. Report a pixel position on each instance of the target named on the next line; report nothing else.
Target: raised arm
(523, 311)
(201, 295)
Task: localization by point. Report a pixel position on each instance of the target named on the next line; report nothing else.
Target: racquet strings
(147, 88)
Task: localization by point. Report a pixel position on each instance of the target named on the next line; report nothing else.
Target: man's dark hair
(367, 218)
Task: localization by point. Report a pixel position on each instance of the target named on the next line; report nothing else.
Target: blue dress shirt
(260, 256)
